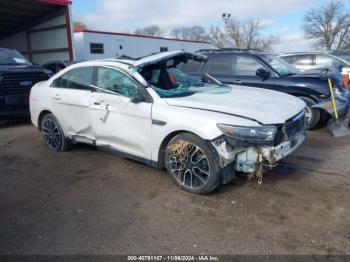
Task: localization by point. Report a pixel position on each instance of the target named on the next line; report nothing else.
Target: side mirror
(138, 99)
(262, 72)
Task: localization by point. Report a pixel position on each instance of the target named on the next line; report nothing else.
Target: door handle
(97, 103)
(237, 81)
(57, 97)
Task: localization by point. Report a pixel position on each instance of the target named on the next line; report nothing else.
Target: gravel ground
(89, 202)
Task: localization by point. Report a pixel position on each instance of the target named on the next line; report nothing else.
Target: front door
(245, 73)
(119, 123)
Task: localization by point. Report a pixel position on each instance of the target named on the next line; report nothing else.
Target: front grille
(20, 83)
(294, 126)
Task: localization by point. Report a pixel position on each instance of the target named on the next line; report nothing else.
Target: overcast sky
(281, 17)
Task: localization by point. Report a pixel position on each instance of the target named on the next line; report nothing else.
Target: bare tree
(79, 25)
(217, 37)
(194, 33)
(152, 30)
(328, 26)
(247, 34)
(177, 33)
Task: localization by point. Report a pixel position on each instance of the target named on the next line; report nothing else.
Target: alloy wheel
(52, 134)
(188, 164)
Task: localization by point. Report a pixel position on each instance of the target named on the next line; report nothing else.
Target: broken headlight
(249, 134)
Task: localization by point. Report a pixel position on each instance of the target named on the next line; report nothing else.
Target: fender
(343, 106)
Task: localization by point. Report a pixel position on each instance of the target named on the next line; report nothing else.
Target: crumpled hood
(261, 105)
(321, 73)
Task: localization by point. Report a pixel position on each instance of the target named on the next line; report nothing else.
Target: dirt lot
(88, 202)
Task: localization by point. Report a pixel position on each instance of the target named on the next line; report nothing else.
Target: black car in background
(258, 69)
(17, 76)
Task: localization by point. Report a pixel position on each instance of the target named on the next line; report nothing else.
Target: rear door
(70, 95)
(221, 67)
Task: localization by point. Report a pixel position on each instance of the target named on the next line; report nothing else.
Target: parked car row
(202, 132)
(203, 116)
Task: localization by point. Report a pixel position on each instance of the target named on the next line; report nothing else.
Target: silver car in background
(314, 60)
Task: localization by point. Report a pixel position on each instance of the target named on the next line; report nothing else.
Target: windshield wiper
(206, 78)
(289, 74)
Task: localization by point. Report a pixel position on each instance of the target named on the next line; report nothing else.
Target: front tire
(312, 115)
(53, 134)
(192, 163)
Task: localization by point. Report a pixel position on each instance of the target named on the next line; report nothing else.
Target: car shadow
(14, 122)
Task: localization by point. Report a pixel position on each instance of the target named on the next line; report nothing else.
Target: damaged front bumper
(245, 159)
(252, 157)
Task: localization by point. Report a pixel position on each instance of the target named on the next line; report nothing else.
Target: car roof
(151, 59)
(154, 58)
(305, 53)
(232, 50)
(106, 62)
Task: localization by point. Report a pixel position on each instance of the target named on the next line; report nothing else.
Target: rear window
(79, 78)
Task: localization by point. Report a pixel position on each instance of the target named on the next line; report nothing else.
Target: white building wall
(131, 46)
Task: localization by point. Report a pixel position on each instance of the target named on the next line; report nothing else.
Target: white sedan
(202, 132)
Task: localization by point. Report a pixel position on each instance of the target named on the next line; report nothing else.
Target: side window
(323, 60)
(79, 78)
(246, 66)
(221, 64)
(299, 60)
(116, 81)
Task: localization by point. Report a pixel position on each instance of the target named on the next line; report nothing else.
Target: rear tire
(312, 116)
(193, 163)
(53, 134)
